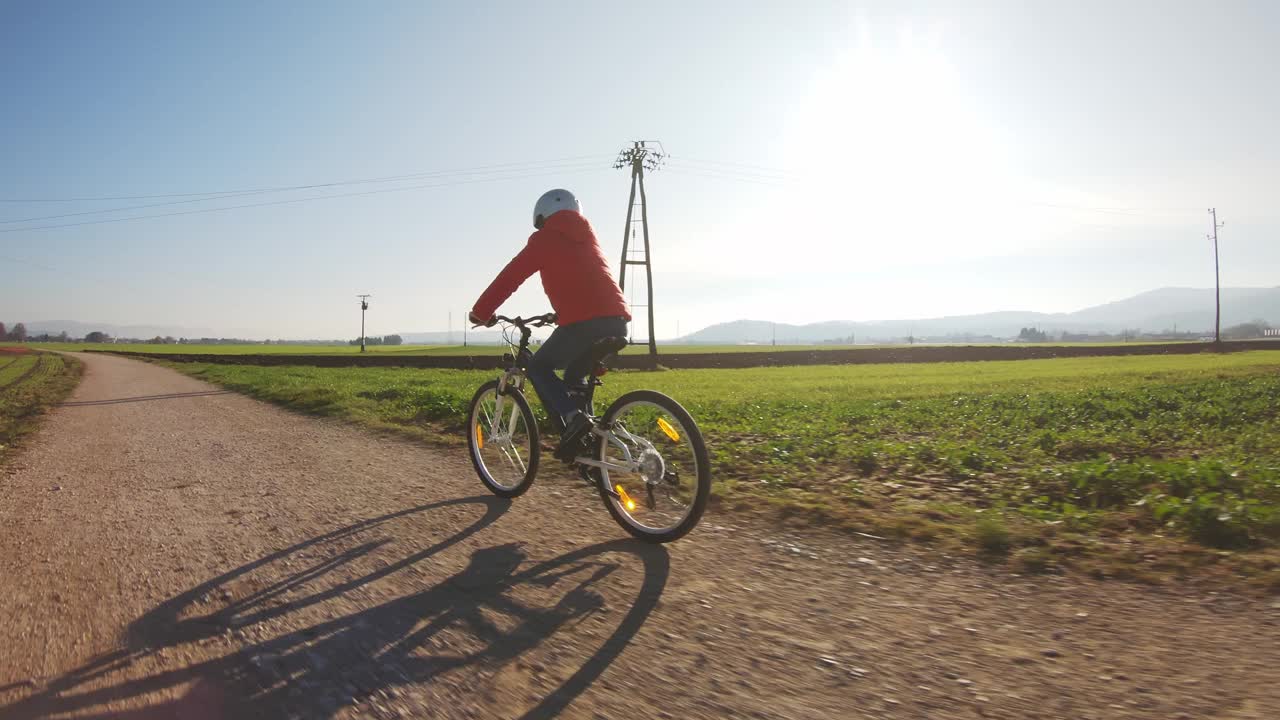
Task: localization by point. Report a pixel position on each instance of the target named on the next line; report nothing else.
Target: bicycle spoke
(510, 461)
(484, 407)
(505, 457)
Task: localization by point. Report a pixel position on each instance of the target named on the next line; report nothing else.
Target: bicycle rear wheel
(502, 437)
(666, 496)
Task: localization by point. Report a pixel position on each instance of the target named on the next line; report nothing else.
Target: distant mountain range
(1183, 309)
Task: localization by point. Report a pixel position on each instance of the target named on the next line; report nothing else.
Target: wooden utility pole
(364, 305)
(1217, 283)
(638, 158)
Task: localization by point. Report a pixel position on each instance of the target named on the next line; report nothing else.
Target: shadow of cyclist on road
(479, 621)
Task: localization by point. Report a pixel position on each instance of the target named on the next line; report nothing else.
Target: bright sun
(887, 143)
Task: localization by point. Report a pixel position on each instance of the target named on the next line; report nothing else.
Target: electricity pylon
(639, 158)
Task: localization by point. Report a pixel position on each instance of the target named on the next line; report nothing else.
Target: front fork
(511, 379)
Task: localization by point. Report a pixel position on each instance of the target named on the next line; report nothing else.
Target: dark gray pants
(567, 346)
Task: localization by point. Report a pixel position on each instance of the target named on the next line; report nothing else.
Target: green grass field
(462, 350)
(30, 383)
(275, 349)
(399, 349)
(1045, 461)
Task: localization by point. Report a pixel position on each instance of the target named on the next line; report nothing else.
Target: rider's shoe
(572, 441)
(589, 475)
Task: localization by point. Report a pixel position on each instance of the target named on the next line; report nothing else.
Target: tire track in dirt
(35, 367)
(171, 550)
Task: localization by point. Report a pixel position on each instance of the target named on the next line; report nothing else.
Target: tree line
(384, 340)
(1244, 331)
(17, 334)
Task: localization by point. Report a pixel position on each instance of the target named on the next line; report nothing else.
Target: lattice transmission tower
(639, 158)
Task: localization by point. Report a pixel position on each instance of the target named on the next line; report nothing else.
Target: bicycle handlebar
(536, 321)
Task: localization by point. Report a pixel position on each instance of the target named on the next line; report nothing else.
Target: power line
(397, 178)
(749, 166)
(730, 173)
(678, 167)
(310, 186)
(689, 166)
(305, 199)
(735, 170)
(134, 207)
(693, 173)
(772, 173)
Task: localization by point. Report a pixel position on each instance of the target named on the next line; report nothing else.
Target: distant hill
(75, 328)
(1190, 308)
(1187, 309)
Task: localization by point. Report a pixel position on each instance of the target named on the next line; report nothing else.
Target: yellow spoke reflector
(670, 431)
(627, 502)
(479, 437)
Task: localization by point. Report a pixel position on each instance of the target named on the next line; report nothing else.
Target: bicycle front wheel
(503, 439)
(664, 497)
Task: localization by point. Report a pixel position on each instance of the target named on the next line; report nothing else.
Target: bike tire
(702, 491)
(474, 447)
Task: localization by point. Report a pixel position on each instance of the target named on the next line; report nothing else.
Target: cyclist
(587, 301)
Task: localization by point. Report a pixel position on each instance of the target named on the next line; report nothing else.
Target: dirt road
(171, 550)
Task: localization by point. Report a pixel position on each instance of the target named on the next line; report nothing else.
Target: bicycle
(645, 455)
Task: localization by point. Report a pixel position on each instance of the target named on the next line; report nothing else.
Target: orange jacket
(575, 274)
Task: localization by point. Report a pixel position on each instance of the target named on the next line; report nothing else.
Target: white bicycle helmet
(552, 202)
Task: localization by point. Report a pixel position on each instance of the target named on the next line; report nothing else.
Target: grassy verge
(1143, 467)
(31, 383)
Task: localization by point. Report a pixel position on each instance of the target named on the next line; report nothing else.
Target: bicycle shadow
(480, 618)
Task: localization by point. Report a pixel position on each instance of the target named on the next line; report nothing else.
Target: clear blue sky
(936, 157)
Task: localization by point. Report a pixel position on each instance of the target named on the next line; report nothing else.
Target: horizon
(51, 325)
(1018, 156)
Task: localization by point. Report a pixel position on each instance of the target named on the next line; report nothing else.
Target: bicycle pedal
(569, 455)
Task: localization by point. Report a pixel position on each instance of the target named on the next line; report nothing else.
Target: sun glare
(886, 141)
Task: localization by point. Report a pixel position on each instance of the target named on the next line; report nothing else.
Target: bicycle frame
(517, 374)
(630, 464)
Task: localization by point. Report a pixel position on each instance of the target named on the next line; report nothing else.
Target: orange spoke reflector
(670, 431)
(479, 437)
(626, 499)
